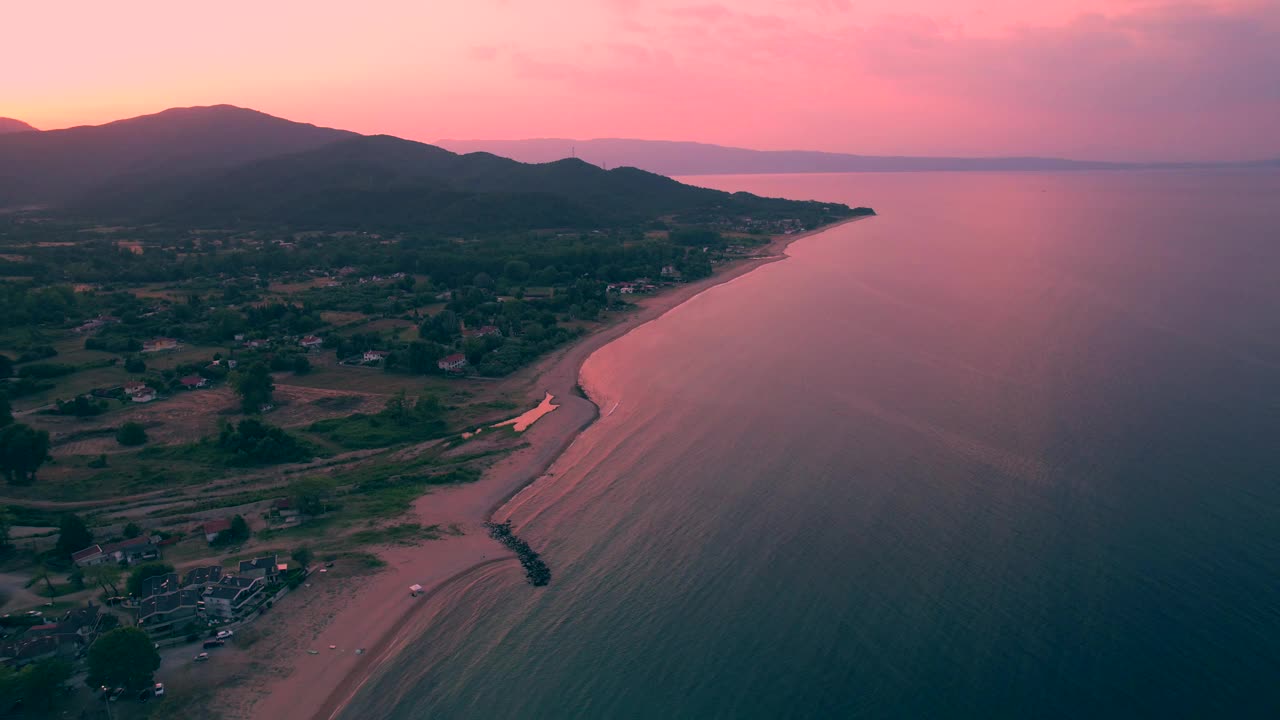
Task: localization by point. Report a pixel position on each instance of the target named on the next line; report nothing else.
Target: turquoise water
(1010, 449)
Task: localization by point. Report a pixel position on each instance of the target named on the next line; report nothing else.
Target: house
(670, 272)
(311, 342)
(92, 555)
(258, 344)
(229, 598)
(373, 356)
(456, 362)
(203, 576)
(134, 387)
(283, 508)
(145, 396)
(263, 567)
(82, 621)
(158, 585)
(215, 527)
(193, 382)
(163, 612)
(29, 650)
(161, 344)
(138, 549)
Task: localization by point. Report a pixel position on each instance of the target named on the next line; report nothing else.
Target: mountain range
(9, 125)
(224, 165)
(691, 158)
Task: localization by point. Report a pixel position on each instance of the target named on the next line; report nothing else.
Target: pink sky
(1104, 79)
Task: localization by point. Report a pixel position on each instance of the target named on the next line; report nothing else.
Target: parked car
(115, 694)
(144, 694)
(159, 689)
(214, 644)
(224, 634)
(202, 657)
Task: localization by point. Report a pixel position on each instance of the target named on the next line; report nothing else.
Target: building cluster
(168, 603)
(68, 636)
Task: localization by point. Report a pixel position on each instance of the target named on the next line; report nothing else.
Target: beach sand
(374, 612)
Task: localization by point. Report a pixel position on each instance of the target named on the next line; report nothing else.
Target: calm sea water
(1011, 449)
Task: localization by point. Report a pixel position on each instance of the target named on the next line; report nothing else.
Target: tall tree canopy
(73, 535)
(125, 657)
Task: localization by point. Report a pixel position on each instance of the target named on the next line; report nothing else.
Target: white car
(159, 690)
(224, 634)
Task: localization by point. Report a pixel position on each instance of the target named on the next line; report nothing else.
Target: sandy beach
(363, 616)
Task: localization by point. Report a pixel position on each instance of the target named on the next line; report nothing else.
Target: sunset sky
(1099, 79)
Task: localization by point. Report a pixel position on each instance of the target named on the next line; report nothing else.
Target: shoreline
(382, 612)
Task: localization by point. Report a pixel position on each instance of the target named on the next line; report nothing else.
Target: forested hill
(386, 183)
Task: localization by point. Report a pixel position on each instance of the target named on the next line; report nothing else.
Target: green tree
(6, 411)
(6, 522)
(103, 576)
(311, 495)
(131, 530)
(303, 556)
(23, 450)
(6, 366)
(125, 657)
(131, 434)
(301, 365)
(255, 386)
(73, 535)
(145, 572)
(135, 364)
(517, 271)
(36, 686)
(239, 531)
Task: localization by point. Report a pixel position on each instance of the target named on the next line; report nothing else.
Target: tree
(145, 572)
(239, 531)
(6, 366)
(125, 657)
(301, 365)
(23, 450)
(103, 576)
(6, 412)
(131, 434)
(37, 685)
(135, 364)
(131, 530)
(255, 386)
(310, 495)
(303, 556)
(516, 271)
(73, 535)
(6, 522)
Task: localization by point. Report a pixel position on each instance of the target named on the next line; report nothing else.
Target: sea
(1009, 449)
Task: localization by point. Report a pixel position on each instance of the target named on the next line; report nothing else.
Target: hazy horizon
(1107, 80)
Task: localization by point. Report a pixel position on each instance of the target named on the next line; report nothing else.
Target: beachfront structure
(158, 585)
(202, 577)
(163, 612)
(229, 598)
(263, 567)
(456, 362)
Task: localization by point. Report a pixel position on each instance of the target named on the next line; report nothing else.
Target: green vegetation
(131, 434)
(253, 442)
(23, 449)
(400, 422)
(123, 657)
(73, 535)
(35, 686)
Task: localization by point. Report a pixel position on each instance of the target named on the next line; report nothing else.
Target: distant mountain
(387, 182)
(56, 166)
(691, 158)
(9, 125)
